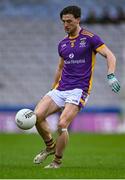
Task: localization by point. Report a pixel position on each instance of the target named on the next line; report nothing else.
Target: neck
(75, 33)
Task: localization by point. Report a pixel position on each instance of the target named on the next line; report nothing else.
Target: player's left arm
(111, 64)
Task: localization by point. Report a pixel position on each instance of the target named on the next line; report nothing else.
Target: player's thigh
(68, 114)
(45, 107)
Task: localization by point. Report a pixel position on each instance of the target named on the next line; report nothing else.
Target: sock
(58, 159)
(50, 144)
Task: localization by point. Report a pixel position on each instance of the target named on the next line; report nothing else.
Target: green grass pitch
(87, 156)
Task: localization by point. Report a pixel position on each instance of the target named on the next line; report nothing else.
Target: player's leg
(75, 100)
(68, 114)
(44, 108)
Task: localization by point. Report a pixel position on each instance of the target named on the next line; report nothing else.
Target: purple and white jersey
(79, 60)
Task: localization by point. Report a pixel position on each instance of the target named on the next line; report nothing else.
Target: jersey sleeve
(97, 43)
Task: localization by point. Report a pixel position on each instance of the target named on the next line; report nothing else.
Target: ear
(78, 20)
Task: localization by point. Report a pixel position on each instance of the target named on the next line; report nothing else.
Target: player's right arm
(58, 72)
(111, 63)
(99, 47)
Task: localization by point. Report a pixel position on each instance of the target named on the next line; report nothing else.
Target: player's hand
(113, 82)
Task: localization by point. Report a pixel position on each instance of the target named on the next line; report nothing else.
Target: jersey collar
(74, 37)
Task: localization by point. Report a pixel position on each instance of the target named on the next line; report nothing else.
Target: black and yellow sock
(58, 159)
(50, 144)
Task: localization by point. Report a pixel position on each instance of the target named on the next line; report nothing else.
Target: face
(70, 23)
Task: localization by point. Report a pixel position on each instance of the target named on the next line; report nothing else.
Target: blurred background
(30, 31)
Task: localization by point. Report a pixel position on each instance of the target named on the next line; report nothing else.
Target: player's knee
(39, 116)
(62, 127)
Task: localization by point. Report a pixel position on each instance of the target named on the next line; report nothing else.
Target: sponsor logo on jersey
(75, 61)
(71, 55)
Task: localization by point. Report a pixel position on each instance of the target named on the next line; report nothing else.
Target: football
(25, 119)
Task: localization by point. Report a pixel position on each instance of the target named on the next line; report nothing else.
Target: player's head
(70, 17)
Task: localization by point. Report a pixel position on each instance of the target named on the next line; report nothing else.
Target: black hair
(74, 10)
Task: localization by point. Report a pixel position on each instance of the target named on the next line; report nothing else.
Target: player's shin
(61, 143)
(43, 129)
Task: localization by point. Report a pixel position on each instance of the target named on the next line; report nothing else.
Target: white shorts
(75, 96)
